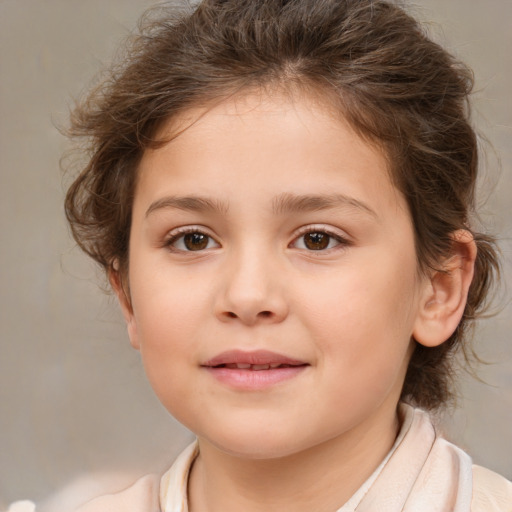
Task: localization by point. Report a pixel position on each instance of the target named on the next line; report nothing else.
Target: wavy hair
(371, 60)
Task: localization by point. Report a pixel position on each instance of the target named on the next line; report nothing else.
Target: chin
(255, 449)
(257, 443)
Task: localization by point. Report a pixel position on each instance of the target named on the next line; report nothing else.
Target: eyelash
(342, 241)
(181, 233)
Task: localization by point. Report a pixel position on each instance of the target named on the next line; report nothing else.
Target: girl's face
(273, 277)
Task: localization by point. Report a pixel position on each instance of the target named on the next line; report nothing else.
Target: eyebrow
(291, 203)
(188, 203)
(284, 203)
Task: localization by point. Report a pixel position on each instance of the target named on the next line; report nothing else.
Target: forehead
(276, 143)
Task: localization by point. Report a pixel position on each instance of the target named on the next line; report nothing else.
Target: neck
(321, 478)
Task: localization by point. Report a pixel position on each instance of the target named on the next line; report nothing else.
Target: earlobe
(126, 306)
(445, 293)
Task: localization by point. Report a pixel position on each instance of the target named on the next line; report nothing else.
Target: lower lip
(251, 380)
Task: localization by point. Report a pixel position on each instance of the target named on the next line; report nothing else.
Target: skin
(348, 312)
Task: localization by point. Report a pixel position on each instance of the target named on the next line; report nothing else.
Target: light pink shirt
(421, 473)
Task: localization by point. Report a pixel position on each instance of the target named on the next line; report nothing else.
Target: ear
(123, 296)
(445, 293)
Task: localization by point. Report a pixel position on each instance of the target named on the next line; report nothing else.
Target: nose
(252, 290)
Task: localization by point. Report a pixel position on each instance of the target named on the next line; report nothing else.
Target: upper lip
(255, 357)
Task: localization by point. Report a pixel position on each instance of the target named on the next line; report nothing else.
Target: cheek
(166, 333)
(362, 311)
(167, 307)
(166, 324)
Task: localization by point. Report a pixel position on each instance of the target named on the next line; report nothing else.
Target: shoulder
(146, 494)
(142, 496)
(491, 492)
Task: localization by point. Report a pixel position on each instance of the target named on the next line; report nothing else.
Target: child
(280, 193)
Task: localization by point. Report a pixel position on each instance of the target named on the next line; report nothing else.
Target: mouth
(256, 367)
(254, 370)
(255, 360)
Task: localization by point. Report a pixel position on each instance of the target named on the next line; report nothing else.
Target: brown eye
(191, 241)
(195, 241)
(316, 241)
(319, 240)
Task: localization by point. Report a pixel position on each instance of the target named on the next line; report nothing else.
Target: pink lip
(253, 357)
(267, 368)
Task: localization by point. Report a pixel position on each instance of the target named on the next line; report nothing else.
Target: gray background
(73, 397)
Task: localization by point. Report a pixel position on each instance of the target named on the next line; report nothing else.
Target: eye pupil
(195, 241)
(316, 241)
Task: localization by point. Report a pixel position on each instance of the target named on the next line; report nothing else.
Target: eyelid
(175, 234)
(343, 239)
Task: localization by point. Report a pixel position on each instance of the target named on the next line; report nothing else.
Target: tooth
(260, 367)
(243, 366)
(274, 365)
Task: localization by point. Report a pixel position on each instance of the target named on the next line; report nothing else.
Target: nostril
(250, 318)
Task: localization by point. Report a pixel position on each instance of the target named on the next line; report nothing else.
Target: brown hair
(384, 75)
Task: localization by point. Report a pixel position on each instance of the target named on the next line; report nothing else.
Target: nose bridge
(252, 286)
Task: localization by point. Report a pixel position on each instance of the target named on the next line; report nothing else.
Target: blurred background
(75, 407)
